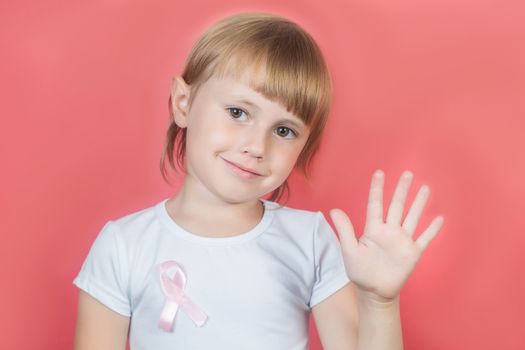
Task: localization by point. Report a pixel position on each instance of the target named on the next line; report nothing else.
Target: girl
(216, 266)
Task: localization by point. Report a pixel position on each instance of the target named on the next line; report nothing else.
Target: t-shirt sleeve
(330, 273)
(104, 273)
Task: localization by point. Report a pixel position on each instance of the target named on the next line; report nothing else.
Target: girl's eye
(236, 112)
(284, 132)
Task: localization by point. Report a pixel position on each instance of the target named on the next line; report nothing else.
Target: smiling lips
(244, 172)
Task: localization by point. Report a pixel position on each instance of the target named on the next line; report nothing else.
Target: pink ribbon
(173, 288)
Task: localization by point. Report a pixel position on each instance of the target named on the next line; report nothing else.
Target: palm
(385, 255)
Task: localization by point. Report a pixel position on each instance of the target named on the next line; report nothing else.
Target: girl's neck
(209, 216)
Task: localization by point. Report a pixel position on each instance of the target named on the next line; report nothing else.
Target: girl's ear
(180, 95)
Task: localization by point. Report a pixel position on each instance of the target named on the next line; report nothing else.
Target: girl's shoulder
(297, 215)
(135, 222)
(137, 216)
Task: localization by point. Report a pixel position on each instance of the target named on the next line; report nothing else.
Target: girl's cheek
(284, 159)
(221, 135)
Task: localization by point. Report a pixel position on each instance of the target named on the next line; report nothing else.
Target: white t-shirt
(256, 289)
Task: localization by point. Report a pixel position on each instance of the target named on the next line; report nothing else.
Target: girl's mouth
(245, 174)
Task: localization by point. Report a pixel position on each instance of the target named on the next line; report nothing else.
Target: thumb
(344, 228)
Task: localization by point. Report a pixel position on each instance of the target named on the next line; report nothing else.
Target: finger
(374, 212)
(415, 210)
(426, 237)
(395, 211)
(344, 228)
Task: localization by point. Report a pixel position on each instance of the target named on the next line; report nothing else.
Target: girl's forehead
(240, 89)
(228, 85)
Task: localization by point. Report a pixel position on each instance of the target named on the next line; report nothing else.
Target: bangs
(280, 62)
(278, 79)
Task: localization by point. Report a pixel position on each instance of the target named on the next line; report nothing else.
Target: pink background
(436, 87)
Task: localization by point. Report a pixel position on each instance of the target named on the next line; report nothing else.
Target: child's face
(229, 122)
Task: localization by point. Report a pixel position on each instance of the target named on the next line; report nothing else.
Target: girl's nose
(255, 143)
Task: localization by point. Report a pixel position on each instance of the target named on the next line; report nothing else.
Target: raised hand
(385, 255)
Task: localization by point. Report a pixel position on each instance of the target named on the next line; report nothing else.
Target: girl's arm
(379, 324)
(350, 320)
(336, 319)
(98, 327)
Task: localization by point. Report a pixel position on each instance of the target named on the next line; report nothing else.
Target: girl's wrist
(367, 299)
(379, 322)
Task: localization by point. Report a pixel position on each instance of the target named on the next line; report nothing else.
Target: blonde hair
(295, 75)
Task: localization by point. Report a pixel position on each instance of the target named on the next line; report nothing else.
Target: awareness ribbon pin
(173, 288)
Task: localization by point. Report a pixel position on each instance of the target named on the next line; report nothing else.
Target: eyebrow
(298, 125)
(249, 103)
